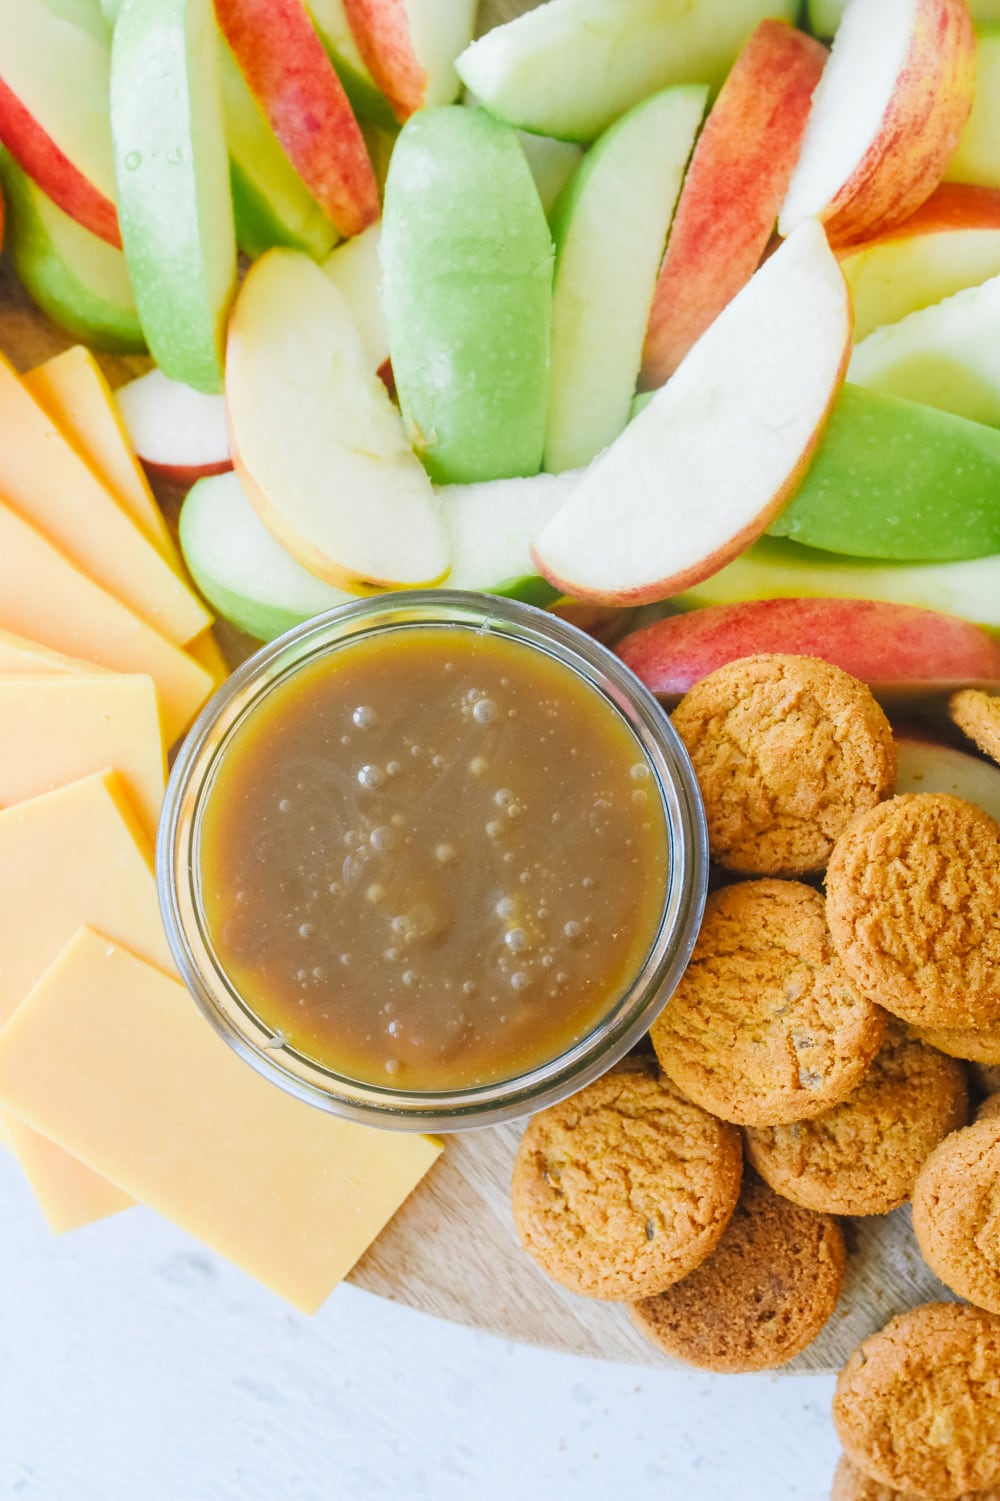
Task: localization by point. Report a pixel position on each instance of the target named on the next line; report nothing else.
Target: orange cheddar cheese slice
(50, 486)
(59, 728)
(72, 390)
(69, 1193)
(111, 1059)
(206, 650)
(43, 597)
(74, 856)
(18, 654)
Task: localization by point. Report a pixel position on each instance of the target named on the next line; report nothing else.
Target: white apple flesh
(177, 432)
(355, 269)
(925, 765)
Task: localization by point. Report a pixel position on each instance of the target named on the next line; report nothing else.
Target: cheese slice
(18, 654)
(70, 857)
(111, 1059)
(69, 1193)
(206, 650)
(57, 729)
(42, 596)
(49, 485)
(72, 390)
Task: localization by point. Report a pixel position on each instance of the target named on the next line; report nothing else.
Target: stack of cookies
(821, 1036)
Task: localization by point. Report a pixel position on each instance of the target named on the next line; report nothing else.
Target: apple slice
(775, 568)
(896, 479)
(271, 203)
(173, 182)
(79, 280)
(467, 290)
(883, 644)
(823, 16)
(571, 67)
(333, 29)
(609, 225)
(283, 61)
(738, 176)
(886, 116)
(355, 269)
(951, 242)
(54, 112)
(947, 356)
(316, 440)
(86, 14)
(709, 463)
(928, 765)
(977, 156)
(177, 432)
(410, 47)
(490, 526)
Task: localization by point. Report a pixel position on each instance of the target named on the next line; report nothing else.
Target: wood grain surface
(452, 1250)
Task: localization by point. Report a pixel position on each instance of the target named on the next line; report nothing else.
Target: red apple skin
(381, 30)
(952, 205)
(183, 475)
(916, 140)
(735, 185)
(878, 642)
(283, 61)
(37, 154)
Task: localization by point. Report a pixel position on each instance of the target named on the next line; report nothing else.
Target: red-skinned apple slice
(737, 178)
(886, 116)
(54, 113)
(885, 645)
(410, 46)
(177, 432)
(709, 463)
(318, 444)
(928, 765)
(292, 78)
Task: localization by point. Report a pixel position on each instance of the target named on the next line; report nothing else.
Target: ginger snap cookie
(626, 1186)
(913, 903)
(977, 715)
(917, 1405)
(786, 751)
(863, 1156)
(763, 1295)
(765, 1026)
(956, 1213)
(852, 1484)
(974, 1044)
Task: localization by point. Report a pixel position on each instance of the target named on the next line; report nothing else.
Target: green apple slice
(977, 155)
(571, 67)
(610, 225)
(491, 525)
(75, 277)
(896, 479)
(333, 30)
(438, 34)
(319, 445)
(175, 206)
(823, 16)
(87, 14)
(775, 568)
(946, 355)
(271, 203)
(467, 268)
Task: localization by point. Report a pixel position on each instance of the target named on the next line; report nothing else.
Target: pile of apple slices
(448, 395)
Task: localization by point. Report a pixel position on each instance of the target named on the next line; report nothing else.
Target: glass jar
(628, 1014)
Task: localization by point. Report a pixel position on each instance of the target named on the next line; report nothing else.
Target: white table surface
(137, 1366)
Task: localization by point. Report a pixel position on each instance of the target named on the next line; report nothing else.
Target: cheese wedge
(18, 654)
(112, 1060)
(59, 728)
(42, 596)
(74, 856)
(207, 651)
(69, 1193)
(50, 486)
(72, 390)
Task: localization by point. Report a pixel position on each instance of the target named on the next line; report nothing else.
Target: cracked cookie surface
(956, 1212)
(852, 1484)
(765, 1026)
(977, 715)
(625, 1187)
(761, 1297)
(917, 1405)
(913, 903)
(863, 1156)
(786, 751)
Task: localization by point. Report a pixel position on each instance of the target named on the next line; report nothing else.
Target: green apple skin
(610, 225)
(823, 16)
(898, 480)
(946, 355)
(571, 67)
(774, 568)
(977, 155)
(77, 279)
(89, 15)
(490, 527)
(467, 290)
(172, 170)
(271, 203)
